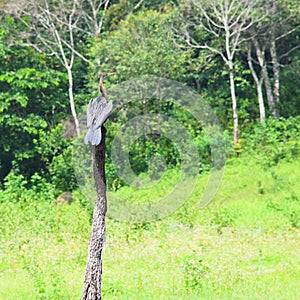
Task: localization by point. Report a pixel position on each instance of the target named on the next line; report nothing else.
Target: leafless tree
(225, 21)
(56, 28)
(93, 276)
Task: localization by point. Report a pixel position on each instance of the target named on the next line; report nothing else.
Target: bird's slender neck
(102, 88)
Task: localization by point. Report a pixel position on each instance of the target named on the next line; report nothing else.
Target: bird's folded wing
(93, 107)
(102, 114)
(89, 114)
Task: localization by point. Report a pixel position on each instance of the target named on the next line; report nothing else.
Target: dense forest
(206, 105)
(242, 57)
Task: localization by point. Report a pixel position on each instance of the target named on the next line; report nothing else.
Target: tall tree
(93, 276)
(269, 43)
(225, 21)
(258, 81)
(57, 28)
(30, 86)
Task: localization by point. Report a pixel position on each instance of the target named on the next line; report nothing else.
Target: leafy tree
(30, 101)
(59, 29)
(142, 47)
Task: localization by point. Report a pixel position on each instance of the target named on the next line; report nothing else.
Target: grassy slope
(245, 245)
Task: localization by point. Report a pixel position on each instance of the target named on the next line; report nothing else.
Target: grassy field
(244, 245)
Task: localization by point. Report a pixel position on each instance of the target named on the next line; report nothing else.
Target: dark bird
(97, 112)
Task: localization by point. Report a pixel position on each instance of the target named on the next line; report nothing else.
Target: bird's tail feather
(93, 136)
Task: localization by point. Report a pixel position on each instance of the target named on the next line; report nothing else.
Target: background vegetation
(245, 245)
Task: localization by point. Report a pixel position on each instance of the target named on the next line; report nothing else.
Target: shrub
(275, 140)
(16, 189)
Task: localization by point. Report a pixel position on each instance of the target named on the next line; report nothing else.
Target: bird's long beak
(109, 74)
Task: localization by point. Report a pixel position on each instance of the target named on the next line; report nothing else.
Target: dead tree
(92, 281)
(97, 113)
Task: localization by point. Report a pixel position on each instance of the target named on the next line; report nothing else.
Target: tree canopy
(49, 73)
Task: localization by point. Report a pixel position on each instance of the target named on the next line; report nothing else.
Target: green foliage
(120, 10)
(56, 153)
(289, 102)
(194, 272)
(275, 140)
(44, 246)
(144, 150)
(136, 42)
(39, 281)
(33, 232)
(222, 218)
(56, 173)
(294, 218)
(29, 101)
(141, 47)
(41, 287)
(16, 189)
(288, 206)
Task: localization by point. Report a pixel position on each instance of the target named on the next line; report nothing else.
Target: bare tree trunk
(268, 88)
(92, 281)
(72, 104)
(276, 72)
(264, 71)
(261, 105)
(258, 82)
(234, 110)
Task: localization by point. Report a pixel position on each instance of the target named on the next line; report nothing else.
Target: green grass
(244, 245)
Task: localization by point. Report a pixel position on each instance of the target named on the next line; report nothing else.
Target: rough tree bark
(92, 281)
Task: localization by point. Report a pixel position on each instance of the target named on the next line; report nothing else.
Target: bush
(56, 153)
(275, 140)
(16, 189)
